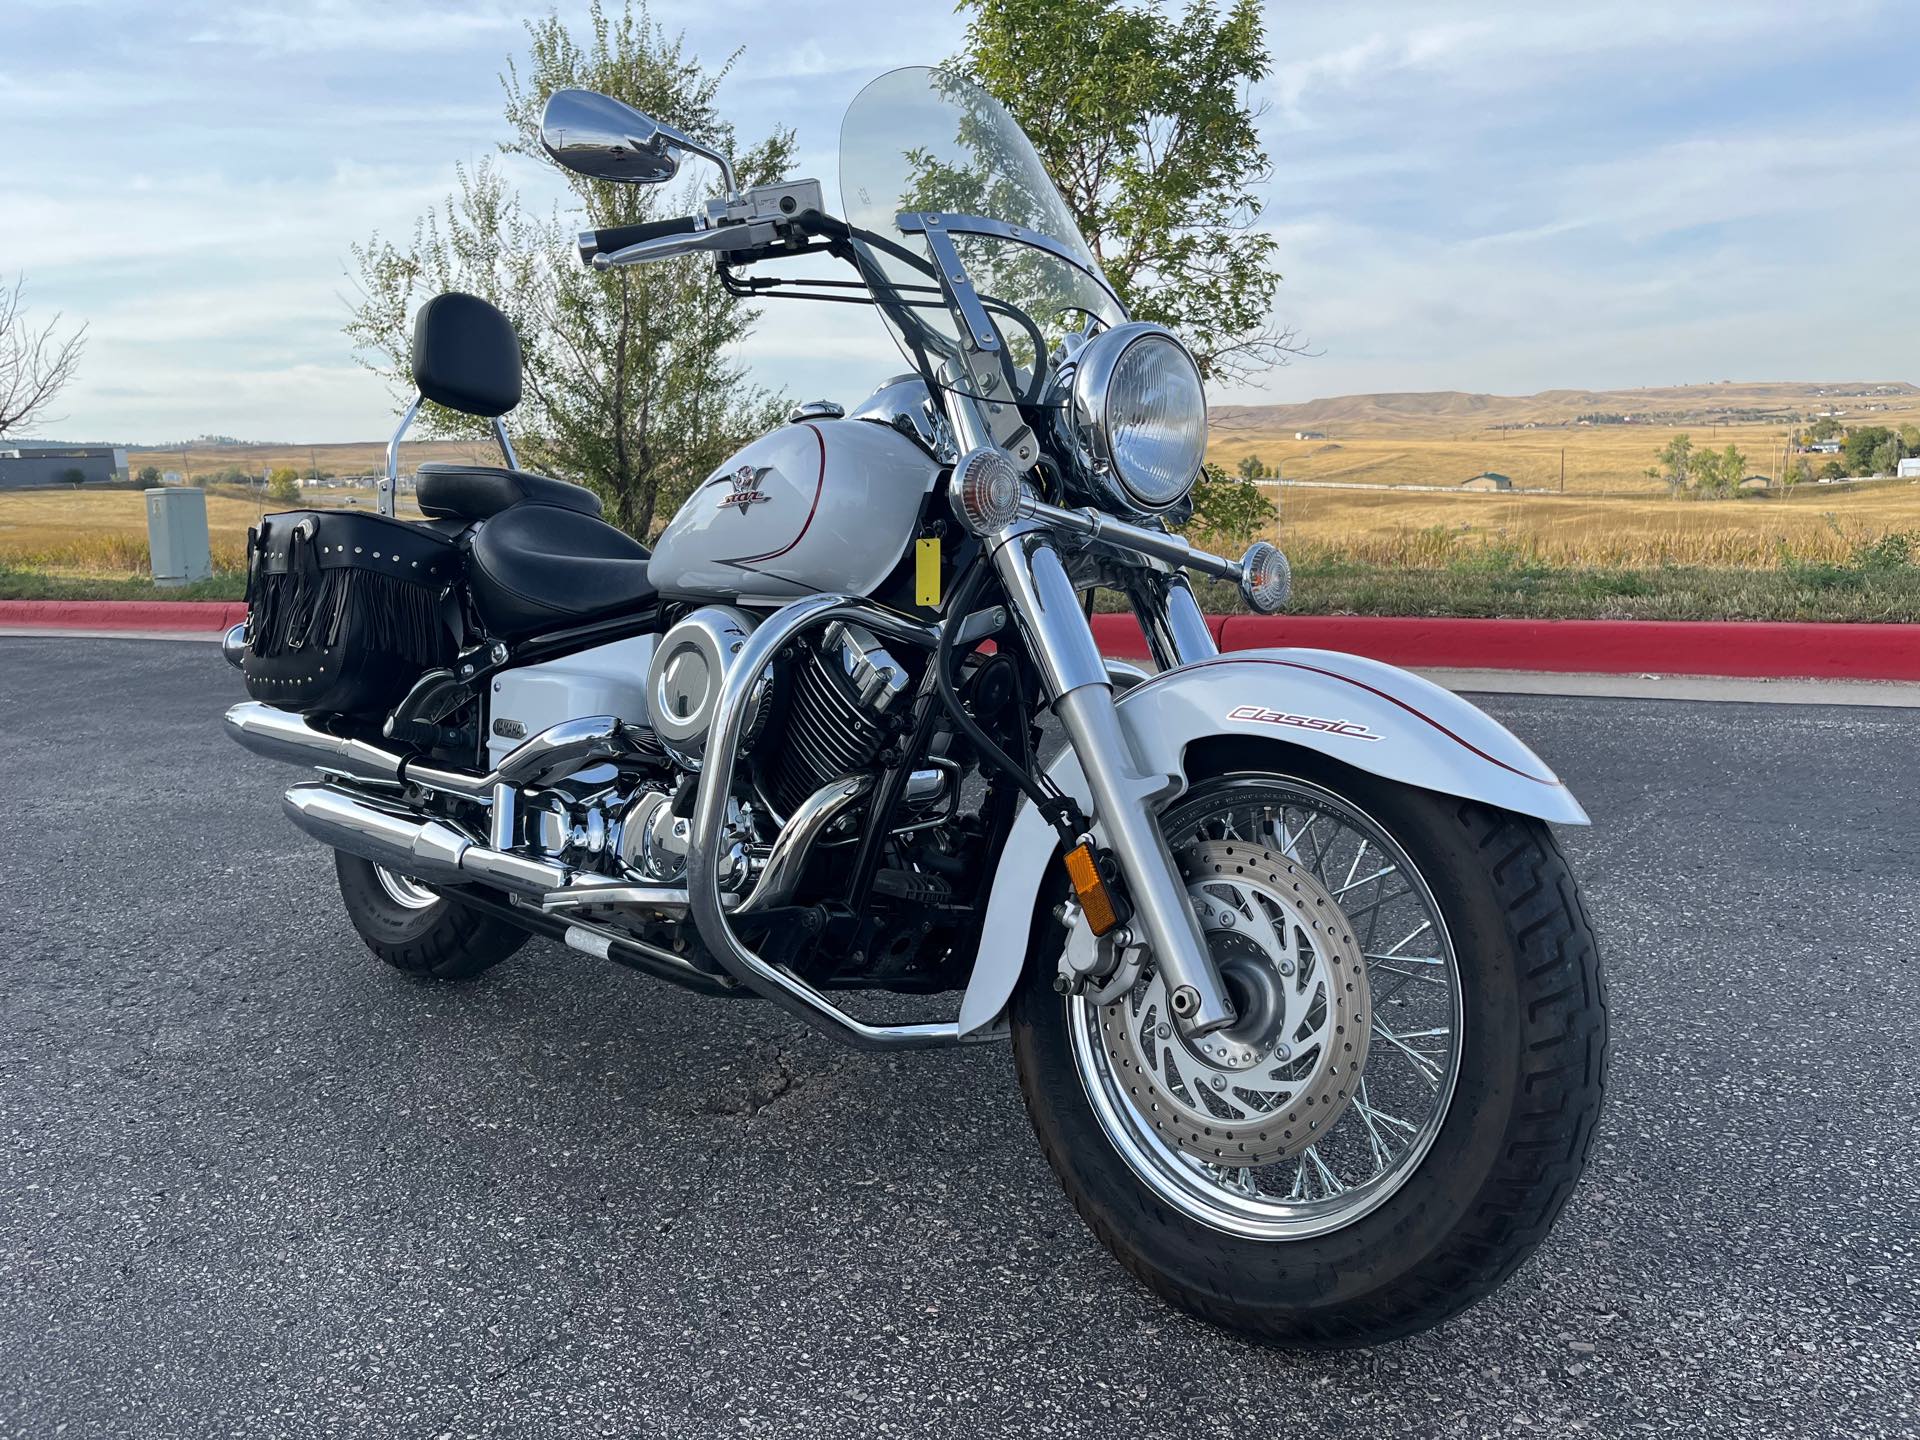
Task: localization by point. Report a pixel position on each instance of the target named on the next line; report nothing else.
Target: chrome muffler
(432, 851)
(283, 735)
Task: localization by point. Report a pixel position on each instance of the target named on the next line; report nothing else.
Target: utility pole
(1563, 469)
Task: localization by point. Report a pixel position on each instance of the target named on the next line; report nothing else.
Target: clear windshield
(927, 152)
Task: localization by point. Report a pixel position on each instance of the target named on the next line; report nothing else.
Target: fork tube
(1176, 630)
(1126, 797)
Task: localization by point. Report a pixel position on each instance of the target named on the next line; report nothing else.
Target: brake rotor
(1266, 1087)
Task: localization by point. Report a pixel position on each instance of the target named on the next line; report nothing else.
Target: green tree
(1718, 473)
(283, 486)
(1252, 468)
(1800, 472)
(629, 383)
(1833, 470)
(73, 475)
(1910, 439)
(1227, 508)
(1825, 428)
(1141, 117)
(1675, 465)
(1864, 447)
(149, 475)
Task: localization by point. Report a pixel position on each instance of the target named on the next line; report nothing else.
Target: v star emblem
(746, 487)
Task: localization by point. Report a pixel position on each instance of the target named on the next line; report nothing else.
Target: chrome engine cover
(689, 666)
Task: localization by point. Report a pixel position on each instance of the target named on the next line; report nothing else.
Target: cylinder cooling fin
(840, 688)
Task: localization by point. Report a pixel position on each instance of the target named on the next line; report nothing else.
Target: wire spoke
(1424, 1064)
(1356, 884)
(1401, 1094)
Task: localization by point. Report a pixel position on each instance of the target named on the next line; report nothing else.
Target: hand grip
(619, 237)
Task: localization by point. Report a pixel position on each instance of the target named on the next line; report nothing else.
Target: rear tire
(417, 932)
(1509, 1146)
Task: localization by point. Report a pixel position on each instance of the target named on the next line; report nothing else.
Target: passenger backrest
(466, 355)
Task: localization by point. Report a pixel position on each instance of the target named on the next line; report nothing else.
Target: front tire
(1332, 1262)
(416, 931)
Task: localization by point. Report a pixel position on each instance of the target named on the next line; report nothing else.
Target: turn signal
(1083, 869)
(1266, 579)
(986, 490)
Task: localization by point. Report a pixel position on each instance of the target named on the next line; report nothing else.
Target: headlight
(1139, 415)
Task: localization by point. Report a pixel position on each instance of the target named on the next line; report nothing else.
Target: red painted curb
(123, 614)
(1755, 649)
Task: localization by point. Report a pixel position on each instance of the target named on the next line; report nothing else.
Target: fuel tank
(815, 506)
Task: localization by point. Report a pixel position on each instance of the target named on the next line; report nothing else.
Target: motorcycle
(1301, 995)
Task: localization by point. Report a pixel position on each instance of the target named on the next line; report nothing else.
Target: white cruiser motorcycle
(1301, 994)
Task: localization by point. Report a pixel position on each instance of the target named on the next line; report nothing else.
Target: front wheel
(1409, 1093)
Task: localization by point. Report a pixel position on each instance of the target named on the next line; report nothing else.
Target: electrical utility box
(177, 542)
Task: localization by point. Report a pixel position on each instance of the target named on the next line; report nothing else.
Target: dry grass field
(103, 533)
(1611, 514)
(1818, 524)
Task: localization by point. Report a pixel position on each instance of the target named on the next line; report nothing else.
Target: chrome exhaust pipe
(283, 735)
(427, 850)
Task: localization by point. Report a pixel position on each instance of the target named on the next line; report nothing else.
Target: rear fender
(1374, 717)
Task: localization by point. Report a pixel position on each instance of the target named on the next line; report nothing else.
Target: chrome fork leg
(1126, 797)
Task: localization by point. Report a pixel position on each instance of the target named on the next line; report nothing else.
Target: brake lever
(723, 240)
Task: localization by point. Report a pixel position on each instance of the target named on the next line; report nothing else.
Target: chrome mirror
(605, 139)
(598, 136)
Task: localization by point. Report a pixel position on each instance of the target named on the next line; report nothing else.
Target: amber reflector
(1084, 871)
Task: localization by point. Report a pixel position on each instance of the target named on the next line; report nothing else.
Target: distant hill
(1434, 413)
(358, 457)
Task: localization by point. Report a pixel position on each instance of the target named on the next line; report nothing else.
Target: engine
(824, 711)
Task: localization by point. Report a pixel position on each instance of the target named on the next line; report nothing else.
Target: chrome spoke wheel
(404, 891)
(1318, 920)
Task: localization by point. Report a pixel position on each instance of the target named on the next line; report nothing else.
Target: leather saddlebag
(345, 610)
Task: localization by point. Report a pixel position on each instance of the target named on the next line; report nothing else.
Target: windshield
(936, 170)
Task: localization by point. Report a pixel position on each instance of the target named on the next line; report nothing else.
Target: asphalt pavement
(254, 1183)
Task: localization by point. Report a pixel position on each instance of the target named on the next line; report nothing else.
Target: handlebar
(619, 237)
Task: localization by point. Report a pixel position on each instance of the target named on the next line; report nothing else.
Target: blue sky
(1467, 196)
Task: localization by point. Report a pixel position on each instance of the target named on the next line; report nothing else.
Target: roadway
(253, 1183)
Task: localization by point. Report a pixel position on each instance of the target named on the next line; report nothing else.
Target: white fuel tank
(820, 505)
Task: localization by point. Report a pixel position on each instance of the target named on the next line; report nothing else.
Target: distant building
(22, 466)
(1487, 480)
(1825, 447)
(1908, 469)
(1309, 434)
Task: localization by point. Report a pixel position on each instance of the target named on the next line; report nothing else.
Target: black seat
(474, 492)
(540, 567)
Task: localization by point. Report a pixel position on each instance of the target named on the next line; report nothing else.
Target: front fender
(1374, 717)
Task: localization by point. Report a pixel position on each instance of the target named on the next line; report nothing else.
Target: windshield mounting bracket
(981, 336)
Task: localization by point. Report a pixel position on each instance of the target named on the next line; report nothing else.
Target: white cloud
(303, 27)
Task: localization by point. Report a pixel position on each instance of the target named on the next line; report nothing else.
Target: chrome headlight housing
(1139, 416)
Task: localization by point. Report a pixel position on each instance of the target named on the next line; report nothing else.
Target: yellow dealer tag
(926, 572)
